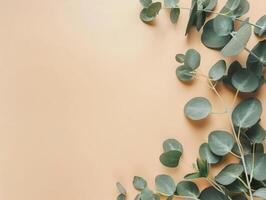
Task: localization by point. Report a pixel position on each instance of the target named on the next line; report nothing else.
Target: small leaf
(238, 42)
(203, 167)
(147, 194)
(247, 113)
(245, 81)
(174, 15)
(260, 193)
(192, 16)
(170, 158)
(256, 133)
(180, 58)
(172, 144)
(260, 29)
(192, 59)
(220, 142)
(170, 3)
(259, 166)
(121, 197)
(198, 108)
(223, 25)
(165, 185)
(229, 174)
(218, 70)
(192, 176)
(206, 154)
(188, 189)
(139, 183)
(211, 193)
(150, 13)
(184, 73)
(121, 188)
(145, 3)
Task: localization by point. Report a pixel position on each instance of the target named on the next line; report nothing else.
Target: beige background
(89, 93)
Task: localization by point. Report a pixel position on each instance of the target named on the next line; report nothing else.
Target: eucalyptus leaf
(211, 5)
(206, 154)
(165, 185)
(149, 14)
(257, 55)
(146, 3)
(188, 189)
(192, 176)
(256, 133)
(260, 29)
(211, 193)
(259, 165)
(174, 15)
(220, 142)
(229, 174)
(121, 197)
(223, 25)
(172, 144)
(139, 183)
(211, 39)
(247, 113)
(170, 3)
(203, 167)
(218, 70)
(184, 73)
(147, 194)
(180, 58)
(233, 68)
(245, 143)
(260, 193)
(236, 187)
(245, 81)
(170, 158)
(192, 16)
(192, 59)
(235, 8)
(198, 108)
(238, 42)
(121, 188)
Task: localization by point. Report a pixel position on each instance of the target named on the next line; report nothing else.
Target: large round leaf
(139, 183)
(260, 193)
(259, 165)
(165, 185)
(211, 39)
(238, 42)
(223, 25)
(260, 29)
(245, 81)
(188, 189)
(229, 174)
(220, 142)
(260, 51)
(184, 73)
(247, 113)
(218, 70)
(256, 133)
(206, 154)
(192, 59)
(170, 158)
(172, 144)
(211, 193)
(198, 108)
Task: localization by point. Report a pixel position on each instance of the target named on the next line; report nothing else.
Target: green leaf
(184, 73)
(260, 55)
(223, 25)
(233, 68)
(212, 4)
(192, 59)
(203, 167)
(174, 15)
(150, 13)
(246, 145)
(256, 133)
(238, 42)
(180, 58)
(170, 158)
(192, 176)
(121, 188)
(121, 197)
(211, 39)
(259, 166)
(229, 174)
(220, 142)
(236, 187)
(139, 183)
(235, 8)
(245, 81)
(261, 30)
(206, 154)
(211, 193)
(260, 193)
(172, 144)
(165, 185)
(198, 108)
(218, 70)
(192, 16)
(147, 194)
(170, 3)
(188, 189)
(247, 113)
(145, 3)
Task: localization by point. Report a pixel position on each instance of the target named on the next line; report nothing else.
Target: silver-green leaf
(192, 59)
(206, 154)
(229, 174)
(139, 183)
(218, 70)
(165, 185)
(198, 108)
(188, 189)
(260, 28)
(260, 193)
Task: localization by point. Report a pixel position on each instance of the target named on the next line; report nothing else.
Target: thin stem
(215, 185)
(253, 162)
(235, 97)
(243, 182)
(218, 113)
(235, 154)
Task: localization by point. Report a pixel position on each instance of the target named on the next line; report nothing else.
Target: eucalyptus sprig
(244, 178)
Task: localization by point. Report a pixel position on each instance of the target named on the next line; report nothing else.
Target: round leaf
(218, 70)
(172, 144)
(149, 14)
(211, 193)
(206, 154)
(260, 193)
(229, 174)
(192, 59)
(121, 197)
(256, 133)
(174, 15)
(170, 158)
(223, 25)
(147, 194)
(180, 58)
(188, 189)
(260, 51)
(220, 142)
(245, 81)
(139, 183)
(260, 29)
(259, 166)
(198, 108)
(183, 73)
(247, 113)
(121, 188)
(165, 185)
